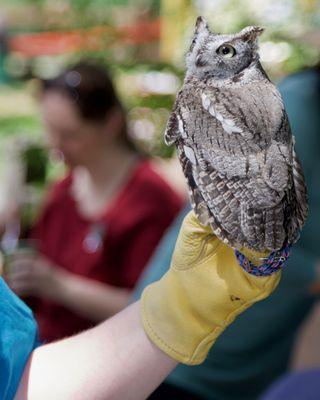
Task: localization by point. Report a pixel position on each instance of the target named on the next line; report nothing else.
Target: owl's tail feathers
(262, 229)
(200, 208)
(252, 222)
(295, 203)
(275, 233)
(300, 189)
(172, 133)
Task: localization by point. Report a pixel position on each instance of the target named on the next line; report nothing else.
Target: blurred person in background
(100, 224)
(257, 348)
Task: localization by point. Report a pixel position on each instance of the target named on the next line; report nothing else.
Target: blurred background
(143, 42)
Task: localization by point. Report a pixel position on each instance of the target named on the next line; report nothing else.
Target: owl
(235, 145)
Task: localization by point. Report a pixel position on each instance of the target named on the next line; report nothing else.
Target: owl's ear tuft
(201, 31)
(201, 26)
(250, 33)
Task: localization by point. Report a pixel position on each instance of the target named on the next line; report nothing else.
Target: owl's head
(221, 56)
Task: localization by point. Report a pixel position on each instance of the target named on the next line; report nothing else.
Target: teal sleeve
(300, 269)
(18, 337)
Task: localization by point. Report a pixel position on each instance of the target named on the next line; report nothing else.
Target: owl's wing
(242, 211)
(301, 191)
(176, 133)
(233, 212)
(247, 134)
(239, 166)
(175, 128)
(172, 133)
(254, 113)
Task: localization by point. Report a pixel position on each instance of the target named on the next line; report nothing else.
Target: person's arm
(94, 300)
(114, 360)
(182, 315)
(99, 301)
(91, 299)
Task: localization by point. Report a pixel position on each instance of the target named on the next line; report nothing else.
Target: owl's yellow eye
(226, 51)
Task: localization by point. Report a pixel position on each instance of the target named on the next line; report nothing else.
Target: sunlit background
(143, 42)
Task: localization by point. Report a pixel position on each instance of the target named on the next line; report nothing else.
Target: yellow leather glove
(201, 294)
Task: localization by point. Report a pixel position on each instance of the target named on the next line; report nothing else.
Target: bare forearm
(114, 360)
(91, 299)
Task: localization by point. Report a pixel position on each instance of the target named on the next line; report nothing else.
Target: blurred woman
(101, 223)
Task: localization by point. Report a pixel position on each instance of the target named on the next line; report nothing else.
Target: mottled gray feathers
(235, 145)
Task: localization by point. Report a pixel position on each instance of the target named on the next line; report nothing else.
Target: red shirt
(113, 250)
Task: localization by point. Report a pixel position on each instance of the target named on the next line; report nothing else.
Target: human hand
(201, 294)
(32, 275)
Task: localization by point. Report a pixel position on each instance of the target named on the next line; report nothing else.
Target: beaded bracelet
(271, 265)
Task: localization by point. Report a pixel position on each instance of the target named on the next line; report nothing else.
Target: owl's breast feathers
(235, 146)
(237, 131)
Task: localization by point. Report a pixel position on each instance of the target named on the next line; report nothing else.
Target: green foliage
(36, 161)
(26, 126)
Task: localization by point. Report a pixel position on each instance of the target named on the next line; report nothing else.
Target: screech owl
(235, 145)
